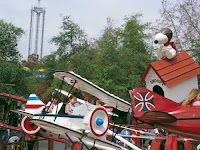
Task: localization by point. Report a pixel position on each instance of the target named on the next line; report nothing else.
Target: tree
(135, 54)
(196, 50)
(133, 35)
(107, 70)
(9, 36)
(115, 61)
(71, 38)
(183, 18)
(32, 61)
(196, 54)
(12, 75)
(120, 57)
(13, 79)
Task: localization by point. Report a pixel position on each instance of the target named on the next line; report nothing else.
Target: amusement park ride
(151, 110)
(89, 123)
(109, 109)
(154, 111)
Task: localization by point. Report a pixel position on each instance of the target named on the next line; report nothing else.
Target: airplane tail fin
(144, 100)
(34, 105)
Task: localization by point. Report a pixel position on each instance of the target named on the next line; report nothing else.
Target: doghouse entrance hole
(157, 89)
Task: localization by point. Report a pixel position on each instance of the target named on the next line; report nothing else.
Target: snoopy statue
(169, 48)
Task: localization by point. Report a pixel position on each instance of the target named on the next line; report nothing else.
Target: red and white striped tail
(34, 105)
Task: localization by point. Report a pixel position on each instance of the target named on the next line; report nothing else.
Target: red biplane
(151, 110)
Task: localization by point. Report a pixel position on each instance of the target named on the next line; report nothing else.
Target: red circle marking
(108, 107)
(96, 134)
(63, 77)
(27, 125)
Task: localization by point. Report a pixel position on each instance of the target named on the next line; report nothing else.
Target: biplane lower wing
(23, 113)
(141, 126)
(158, 116)
(87, 86)
(76, 136)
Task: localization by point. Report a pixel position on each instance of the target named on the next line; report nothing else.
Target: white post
(123, 140)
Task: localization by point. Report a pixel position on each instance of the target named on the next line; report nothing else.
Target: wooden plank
(160, 64)
(182, 78)
(180, 72)
(176, 66)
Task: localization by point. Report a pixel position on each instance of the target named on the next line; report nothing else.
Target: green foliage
(12, 76)
(13, 79)
(196, 50)
(196, 53)
(9, 35)
(71, 38)
(115, 61)
(133, 35)
(32, 62)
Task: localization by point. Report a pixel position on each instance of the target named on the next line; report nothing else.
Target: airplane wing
(56, 128)
(23, 113)
(87, 86)
(153, 117)
(156, 138)
(158, 116)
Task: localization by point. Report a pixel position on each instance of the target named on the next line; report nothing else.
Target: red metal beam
(54, 138)
(40, 134)
(10, 127)
(14, 97)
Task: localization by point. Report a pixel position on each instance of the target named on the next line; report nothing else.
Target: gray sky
(90, 15)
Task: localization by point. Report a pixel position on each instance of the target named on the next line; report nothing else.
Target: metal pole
(43, 21)
(30, 33)
(37, 33)
(50, 144)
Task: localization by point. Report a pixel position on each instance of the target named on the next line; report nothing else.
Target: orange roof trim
(174, 71)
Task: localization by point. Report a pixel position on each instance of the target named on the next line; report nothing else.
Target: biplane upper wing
(87, 86)
(56, 128)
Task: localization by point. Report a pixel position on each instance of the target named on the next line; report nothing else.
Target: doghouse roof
(174, 71)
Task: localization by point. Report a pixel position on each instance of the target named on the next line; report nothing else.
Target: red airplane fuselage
(154, 111)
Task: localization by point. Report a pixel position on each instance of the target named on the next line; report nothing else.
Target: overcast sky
(90, 15)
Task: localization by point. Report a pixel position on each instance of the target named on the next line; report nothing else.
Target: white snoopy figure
(169, 48)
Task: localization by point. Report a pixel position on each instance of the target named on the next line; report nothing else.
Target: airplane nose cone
(99, 121)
